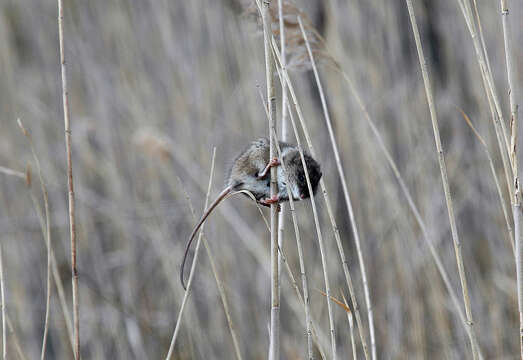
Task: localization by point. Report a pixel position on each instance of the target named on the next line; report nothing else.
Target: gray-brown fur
(244, 175)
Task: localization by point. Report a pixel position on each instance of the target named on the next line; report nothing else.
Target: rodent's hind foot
(272, 163)
(268, 201)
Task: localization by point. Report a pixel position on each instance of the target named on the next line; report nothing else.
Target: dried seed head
(28, 179)
(22, 127)
(295, 48)
(152, 143)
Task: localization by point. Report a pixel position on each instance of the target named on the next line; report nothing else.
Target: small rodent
(251, 171)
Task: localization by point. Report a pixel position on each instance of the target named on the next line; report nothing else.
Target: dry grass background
(155, 85)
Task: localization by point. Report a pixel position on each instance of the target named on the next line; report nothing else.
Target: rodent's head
(297, 175)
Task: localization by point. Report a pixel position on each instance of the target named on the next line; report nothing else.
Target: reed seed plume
(297, 58)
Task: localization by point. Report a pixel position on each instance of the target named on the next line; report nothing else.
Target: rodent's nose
(302, 196)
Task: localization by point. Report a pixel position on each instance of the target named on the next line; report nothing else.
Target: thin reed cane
(444, 177)
(2, 298)
(245, 233)
(12, 172)
(313, 203)
(219, 284)
(18, 347)
(490, 90)
(47, 236)
(306, 300)
(481, 55)
(286, 78)
(54, 267)
(496, 180)
(284, 132)
(346, 194)
(512, 91)
(351, 328)
(274, 343)
(56, 274)
(193, 266)
(72, 221)
(320, 239)
(410, 201)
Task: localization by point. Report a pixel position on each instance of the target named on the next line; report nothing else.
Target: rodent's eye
(301, 177)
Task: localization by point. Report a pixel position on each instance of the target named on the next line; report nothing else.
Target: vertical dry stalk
(488, 84)
(48, 238)
(56, 274)
(496, 180)
(219, 284)
(221, 290)
(519, 272)
(274, 344)
(444, 177)
(284, 96)
(351, 328)
(284, 127)
(72, 222)
(245, 233)
(313, 201)
(193, 267)
(512, 91)
(481, 55)
(2, 298)
(320, 238)
(63, 302)
(306, 301)
(348, 202)
(18, 348)
(46, 233)
(45, 230)
(286, 78)
(412, 205)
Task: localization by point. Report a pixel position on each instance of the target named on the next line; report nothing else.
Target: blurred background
(155, 85)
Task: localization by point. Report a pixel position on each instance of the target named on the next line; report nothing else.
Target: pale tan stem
(56, 275)
(498, 121)
(512, 91)
(286, 78)
(346, 194)
(193, 267)
(444, 177)
(284, 134)
(305, 299)
(12, 172)
(412, 205)
(245, 233)
(2, 299)
(351, 328)
(488, 83)
(219, 284)
(47, 236)
(72, 221)
(18, 348)
(498, 186)
(274, 343)
(305, 286)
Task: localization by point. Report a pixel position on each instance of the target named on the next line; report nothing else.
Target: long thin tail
(207, 212)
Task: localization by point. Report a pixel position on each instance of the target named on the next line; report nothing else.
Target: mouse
(250, 171)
